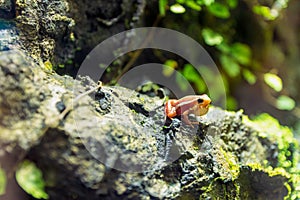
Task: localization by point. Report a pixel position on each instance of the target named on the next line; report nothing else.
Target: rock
(7, 9)
(115, 143)
(220, 154)
(8, 36)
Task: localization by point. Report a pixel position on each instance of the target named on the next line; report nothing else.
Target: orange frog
(192, 104)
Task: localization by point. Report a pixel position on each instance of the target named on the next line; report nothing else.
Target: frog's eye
(200, 100)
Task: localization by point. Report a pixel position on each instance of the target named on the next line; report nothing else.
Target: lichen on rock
(43, 27)
(223, 153)
(115, 142)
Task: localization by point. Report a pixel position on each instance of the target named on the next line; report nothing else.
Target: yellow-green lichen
(267, 126)
(295, 179)
(288, 150)
(48, 66)
(218, 189)
(269, 170)
(231, 164)
(233, 176)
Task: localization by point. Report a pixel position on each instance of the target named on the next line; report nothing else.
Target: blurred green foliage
(211, 38)
(265, 12)
(285, 103)
(30, 178)
(214, 24)
(288, 155)
(271, 13)
(269, 127)
(249, 76)
(273, 81)
(177, 8)
(2, 181)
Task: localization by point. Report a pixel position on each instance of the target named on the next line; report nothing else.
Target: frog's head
(203, 104)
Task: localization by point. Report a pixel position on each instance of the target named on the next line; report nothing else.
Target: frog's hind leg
(170, 109)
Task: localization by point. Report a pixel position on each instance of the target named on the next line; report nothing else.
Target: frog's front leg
(186, 120)
(185, 116)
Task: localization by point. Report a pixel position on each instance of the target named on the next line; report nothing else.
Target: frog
(191, 104)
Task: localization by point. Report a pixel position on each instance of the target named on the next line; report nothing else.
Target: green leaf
(265, 11)
(171, 63)
(103, 66)
(224, 48)
(180, 1)
(216, 86)
(200, 85)
(167, 71)
(208, 2)
(249, 76)
(193, 5)
(29, 177)
(162, 4)
(219, 10)
(285, 103)
(231, 67)
(190, 73)
(231, 103)
(211, 38)
(281, 4)
(169, 67)
(177, 9)
(232, 3)
(182, 82)
(241, 52)
(273, 81)
(2, 181)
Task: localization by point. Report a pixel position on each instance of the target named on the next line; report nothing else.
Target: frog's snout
(206, 101)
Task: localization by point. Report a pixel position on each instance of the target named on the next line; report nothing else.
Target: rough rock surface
(126, 131)
(64, 32)
(115, 143)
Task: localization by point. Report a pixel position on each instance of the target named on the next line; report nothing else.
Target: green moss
(234, 181)
(288, 150)
(295, 179)
(269, 127)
